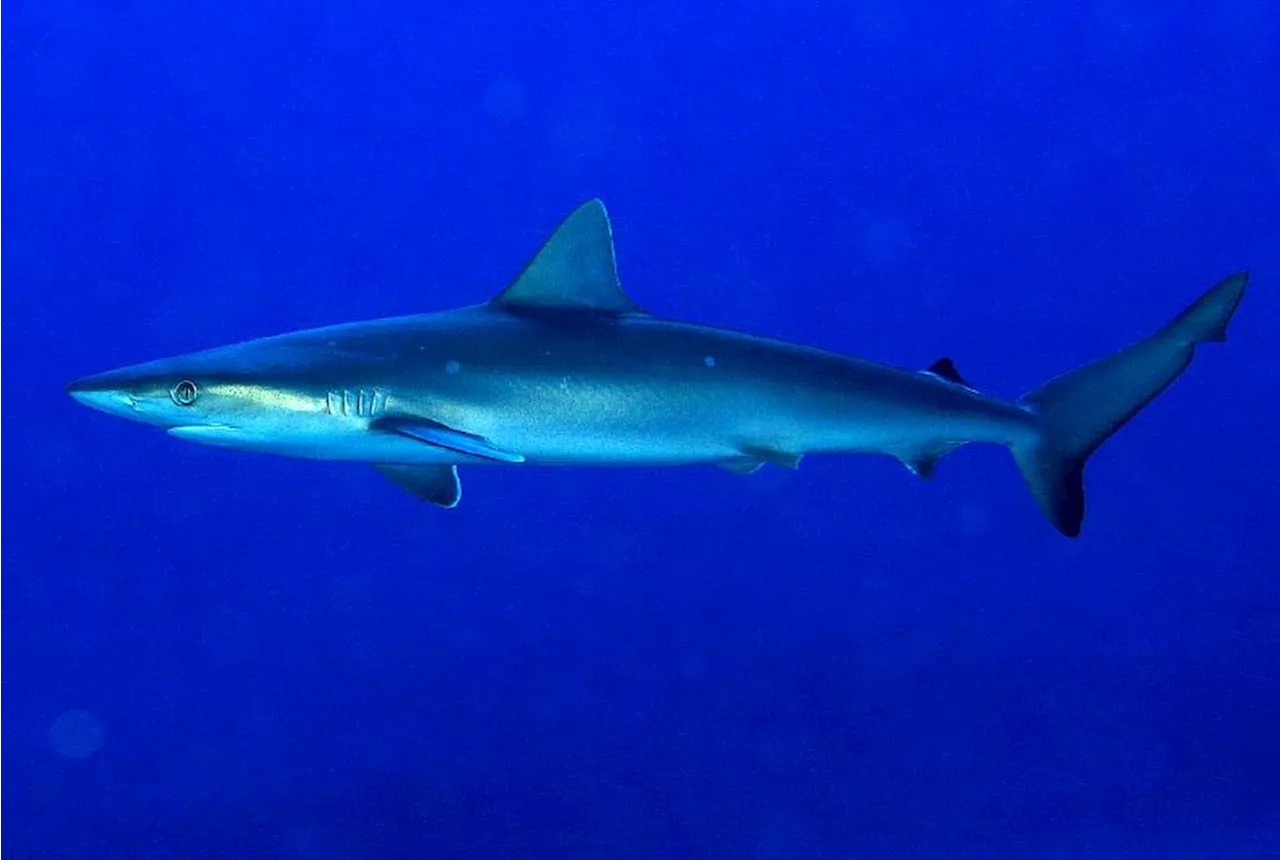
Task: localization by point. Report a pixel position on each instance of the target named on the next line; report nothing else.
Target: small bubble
(452, 366)
(709, 361)
(76, 734)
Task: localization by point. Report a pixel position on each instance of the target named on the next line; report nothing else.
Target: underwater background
(214, 654)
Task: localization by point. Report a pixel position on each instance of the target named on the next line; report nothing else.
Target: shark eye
(184, 393)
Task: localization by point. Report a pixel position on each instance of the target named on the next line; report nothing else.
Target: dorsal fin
(574, 270)
(945, 368)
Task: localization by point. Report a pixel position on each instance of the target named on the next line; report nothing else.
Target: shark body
(563, 368)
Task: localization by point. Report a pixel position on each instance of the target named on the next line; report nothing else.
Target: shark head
(227, 397)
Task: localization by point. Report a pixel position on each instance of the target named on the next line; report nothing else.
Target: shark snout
(103, 393)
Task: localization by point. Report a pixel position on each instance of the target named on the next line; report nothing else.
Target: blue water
(211, 654)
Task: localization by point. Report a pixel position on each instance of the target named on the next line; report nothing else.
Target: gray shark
(564, 368)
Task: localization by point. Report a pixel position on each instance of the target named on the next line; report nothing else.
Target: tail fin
(1083, 408)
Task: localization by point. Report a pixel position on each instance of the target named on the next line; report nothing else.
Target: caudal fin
(1083, 408)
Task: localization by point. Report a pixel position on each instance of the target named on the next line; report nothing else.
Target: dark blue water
(211, 654)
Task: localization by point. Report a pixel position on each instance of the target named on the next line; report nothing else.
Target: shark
(564, 368)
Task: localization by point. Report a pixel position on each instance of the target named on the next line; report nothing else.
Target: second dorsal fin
(945, 368)
(574, 269)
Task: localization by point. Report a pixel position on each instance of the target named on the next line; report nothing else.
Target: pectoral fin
(437, 434)
(438, 485)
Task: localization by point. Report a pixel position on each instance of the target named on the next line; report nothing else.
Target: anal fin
(438, 485)
(922, 464)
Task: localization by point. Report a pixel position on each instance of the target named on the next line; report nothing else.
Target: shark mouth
(209, 434)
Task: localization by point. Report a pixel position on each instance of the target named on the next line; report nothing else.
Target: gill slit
(360, 402)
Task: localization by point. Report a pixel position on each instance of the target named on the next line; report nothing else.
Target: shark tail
(1083, 408)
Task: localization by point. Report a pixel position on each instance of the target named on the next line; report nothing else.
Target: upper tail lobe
(1083, 408)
